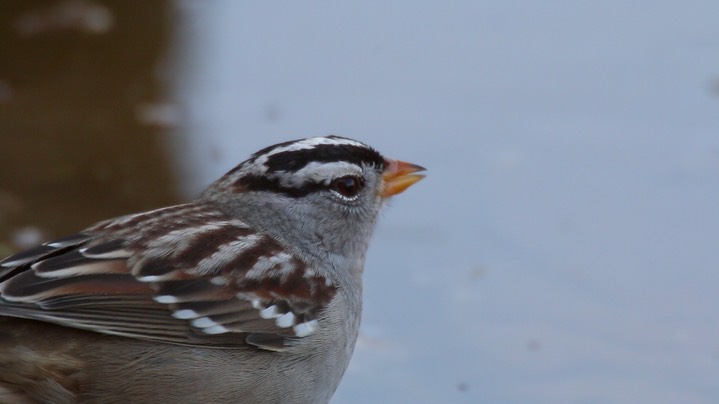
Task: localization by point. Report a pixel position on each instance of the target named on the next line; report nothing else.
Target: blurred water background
(563, 248)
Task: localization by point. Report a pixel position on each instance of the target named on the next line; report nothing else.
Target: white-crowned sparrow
(249, 294)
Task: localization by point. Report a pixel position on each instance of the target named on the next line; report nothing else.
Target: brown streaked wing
(187, 274)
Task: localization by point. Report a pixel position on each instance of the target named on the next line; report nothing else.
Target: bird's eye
(348, 186)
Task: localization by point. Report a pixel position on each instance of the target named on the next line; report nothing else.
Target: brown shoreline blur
(74, 148)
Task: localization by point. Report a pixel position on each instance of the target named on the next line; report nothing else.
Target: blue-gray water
(564, 247)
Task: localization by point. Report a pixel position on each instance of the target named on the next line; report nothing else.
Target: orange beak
(398, 176)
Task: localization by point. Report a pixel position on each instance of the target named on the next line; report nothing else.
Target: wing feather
(186, 283)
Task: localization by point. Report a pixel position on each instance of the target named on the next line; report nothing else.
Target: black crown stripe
(326, 153)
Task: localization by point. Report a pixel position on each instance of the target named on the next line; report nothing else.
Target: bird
(250, 293)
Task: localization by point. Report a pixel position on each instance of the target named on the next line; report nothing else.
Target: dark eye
(348, 186)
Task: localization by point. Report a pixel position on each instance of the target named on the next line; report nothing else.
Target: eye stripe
(260, 183)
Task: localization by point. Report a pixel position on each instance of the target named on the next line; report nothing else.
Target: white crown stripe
(315, 172)
(258, 167)
(313, 142)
